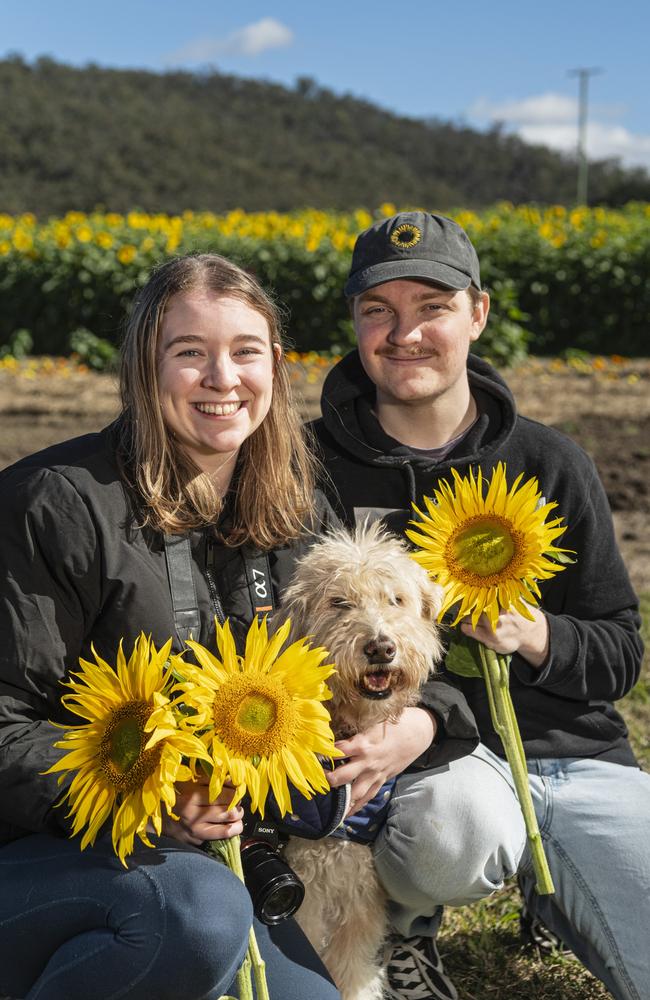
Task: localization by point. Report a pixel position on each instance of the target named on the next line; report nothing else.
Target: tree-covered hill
(81, 138)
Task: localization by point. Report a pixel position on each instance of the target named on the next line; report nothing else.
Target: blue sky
(474, 62)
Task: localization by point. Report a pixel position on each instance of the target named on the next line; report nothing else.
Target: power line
(583, 75)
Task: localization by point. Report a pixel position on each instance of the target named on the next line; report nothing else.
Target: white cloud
(549, 108)
(552, 120)
(250, 40)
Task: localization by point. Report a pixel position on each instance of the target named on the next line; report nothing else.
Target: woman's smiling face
(215, 366)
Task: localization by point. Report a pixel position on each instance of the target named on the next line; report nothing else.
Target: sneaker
(534, 932)
(537, 935)
(414, 971)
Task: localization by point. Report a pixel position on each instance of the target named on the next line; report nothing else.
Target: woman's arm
(49, 589)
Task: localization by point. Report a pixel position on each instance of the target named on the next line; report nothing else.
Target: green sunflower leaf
(564, 556)
(463, 657)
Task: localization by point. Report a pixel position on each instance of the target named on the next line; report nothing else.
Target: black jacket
(76, 570)
(565, 709)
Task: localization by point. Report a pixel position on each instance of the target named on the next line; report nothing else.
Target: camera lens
(281, 900)
(276, 891)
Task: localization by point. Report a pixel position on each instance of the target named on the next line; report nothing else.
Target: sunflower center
(257, 713)
(124, 761)
(484, 547)
(125, 744)
(254, 715)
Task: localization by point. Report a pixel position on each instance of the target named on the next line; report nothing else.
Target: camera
(276, 890)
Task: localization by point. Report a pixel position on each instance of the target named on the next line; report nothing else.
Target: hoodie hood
(348, 398)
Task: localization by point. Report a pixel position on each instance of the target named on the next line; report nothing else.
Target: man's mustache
(404, 352)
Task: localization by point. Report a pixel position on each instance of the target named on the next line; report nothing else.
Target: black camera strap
(313, 818)
(187, 620)
(178, 556)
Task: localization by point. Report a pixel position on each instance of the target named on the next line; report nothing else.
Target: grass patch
(481, 944)
(636, 706)
(485, 957)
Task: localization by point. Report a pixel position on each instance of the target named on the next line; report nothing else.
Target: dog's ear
(294, 606)
(431, 595)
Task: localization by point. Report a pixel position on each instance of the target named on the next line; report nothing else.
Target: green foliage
(506, 338)
(560, 282)
(97, 353)
(87, 137)
(19, 345)
(582, 276)
(308, 284)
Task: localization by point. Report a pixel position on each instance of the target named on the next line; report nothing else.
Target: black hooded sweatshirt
(564, 709)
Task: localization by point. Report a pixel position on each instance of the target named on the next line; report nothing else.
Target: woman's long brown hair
(275, 471)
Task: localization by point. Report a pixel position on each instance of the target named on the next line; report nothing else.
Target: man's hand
(382, 752)
(514, 634)
(198, 818)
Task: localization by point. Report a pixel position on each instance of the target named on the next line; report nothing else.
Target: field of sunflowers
(560, 279)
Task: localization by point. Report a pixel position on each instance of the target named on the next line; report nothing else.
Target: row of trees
(81, 138)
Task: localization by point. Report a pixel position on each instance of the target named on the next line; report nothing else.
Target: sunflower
(488, 552)
(405, 236)
(261, 715)
(129, 754)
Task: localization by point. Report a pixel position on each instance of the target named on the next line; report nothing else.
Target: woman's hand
(514, 634)
(382, 752)
(198, 818)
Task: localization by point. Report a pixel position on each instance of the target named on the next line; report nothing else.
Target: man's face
(414, 338)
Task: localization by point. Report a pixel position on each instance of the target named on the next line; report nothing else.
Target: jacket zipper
(212, 587)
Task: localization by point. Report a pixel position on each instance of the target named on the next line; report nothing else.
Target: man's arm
(441, 729)
(584, 643)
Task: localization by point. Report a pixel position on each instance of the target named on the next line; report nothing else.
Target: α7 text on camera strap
(187, 620)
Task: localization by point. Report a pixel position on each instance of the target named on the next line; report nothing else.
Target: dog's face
(374, 609)
(376, 620)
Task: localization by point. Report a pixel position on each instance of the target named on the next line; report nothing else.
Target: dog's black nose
(380, 650)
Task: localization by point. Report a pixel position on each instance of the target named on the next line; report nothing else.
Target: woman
(208, 447)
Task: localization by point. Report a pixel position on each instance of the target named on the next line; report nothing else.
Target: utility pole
(583, 165)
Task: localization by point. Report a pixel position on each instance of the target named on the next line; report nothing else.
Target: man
(398, 414)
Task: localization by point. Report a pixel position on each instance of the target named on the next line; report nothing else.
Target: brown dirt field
(607, 411)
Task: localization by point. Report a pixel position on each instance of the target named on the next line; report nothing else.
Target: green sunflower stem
(496, 674)
(253, 960)
(244, 983)
(259, 967)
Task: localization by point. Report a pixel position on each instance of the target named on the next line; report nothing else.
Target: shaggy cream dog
(364, 599)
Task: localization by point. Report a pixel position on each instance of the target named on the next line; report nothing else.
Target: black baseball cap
(413, 245)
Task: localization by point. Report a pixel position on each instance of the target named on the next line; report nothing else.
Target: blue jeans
(454, 835)
(173, 926)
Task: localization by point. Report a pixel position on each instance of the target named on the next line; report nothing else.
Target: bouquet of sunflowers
(256, 722)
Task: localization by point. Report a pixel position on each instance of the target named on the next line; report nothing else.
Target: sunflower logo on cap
(405, 236)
